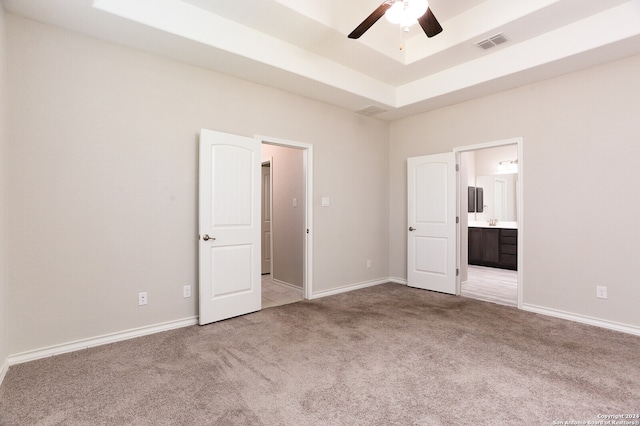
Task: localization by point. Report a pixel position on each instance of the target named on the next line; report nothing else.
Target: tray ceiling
(302, 46)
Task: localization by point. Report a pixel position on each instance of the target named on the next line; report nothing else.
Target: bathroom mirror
(499, 197)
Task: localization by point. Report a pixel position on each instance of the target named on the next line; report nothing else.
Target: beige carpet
(385, 355)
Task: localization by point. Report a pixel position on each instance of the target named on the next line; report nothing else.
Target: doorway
(265, 215)
(491, 222)
(286, 223)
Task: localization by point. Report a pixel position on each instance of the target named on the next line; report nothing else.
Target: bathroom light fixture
(508, 166)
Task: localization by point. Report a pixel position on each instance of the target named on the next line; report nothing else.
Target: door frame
(519, 142)
(307, 158)
(269, 161)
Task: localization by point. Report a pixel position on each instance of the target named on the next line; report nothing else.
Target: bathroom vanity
(493, 246)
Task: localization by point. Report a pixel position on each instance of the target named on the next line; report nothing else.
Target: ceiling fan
(403, 12)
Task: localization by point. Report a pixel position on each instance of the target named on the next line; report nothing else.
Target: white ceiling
(301, 45)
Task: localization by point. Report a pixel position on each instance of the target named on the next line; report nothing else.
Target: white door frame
(307, 158)
(269, 161)
(519, 141)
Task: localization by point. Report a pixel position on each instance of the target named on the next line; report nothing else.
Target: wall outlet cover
(601, 292)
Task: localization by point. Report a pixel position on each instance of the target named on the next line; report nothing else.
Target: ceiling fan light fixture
(395, 12)
(417, 8)
(403, 12)
(406, 12)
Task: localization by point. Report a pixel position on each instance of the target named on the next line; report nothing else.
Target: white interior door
(266, 218)
(229, 226)
(431, 206)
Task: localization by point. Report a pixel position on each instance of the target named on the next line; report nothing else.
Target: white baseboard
(583, 319)
(97, 341)
(5, 368)
(143, 331)
(286, 284)
(347, 288)
(611, 325)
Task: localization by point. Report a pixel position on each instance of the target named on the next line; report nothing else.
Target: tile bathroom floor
(275, 294)
(491, 285)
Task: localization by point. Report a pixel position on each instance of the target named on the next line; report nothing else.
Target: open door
(432, 233)
(229, 226)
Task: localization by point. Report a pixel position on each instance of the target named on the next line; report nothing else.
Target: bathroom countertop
(484, 224)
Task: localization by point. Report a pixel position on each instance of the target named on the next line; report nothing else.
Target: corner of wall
(4, 350)
(3, 369)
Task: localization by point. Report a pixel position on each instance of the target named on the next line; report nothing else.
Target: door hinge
(457, 219)
(307, 230)
(457, 167)
(457, 272)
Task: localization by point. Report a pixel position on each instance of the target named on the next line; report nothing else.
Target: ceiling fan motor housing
(403, 12)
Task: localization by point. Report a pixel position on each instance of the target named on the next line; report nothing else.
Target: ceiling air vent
(495, 40)
(371, 110)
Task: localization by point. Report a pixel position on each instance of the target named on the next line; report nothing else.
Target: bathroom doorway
(491, 222)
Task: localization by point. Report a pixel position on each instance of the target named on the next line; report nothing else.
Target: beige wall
(288, 222)
(486, 160)
(580, 187)
(102, 143)
(4, 349)
(103, 172)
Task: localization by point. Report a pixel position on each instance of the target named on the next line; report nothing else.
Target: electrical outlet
(142, 298)
(186, 291)
(369, 263)
(601, 292)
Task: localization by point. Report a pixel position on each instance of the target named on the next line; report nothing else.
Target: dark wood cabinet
(475, 246)
(509, 248)
(495, 247)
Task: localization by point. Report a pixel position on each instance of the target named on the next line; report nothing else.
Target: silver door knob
(207, 237)
(411, 228)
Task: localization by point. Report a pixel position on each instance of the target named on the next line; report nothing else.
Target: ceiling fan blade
(430, 24)
(370, 20)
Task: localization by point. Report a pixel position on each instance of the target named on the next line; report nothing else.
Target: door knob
(411, 228)
(207, 237)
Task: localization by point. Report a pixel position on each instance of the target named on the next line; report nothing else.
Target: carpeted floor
(385, 355)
